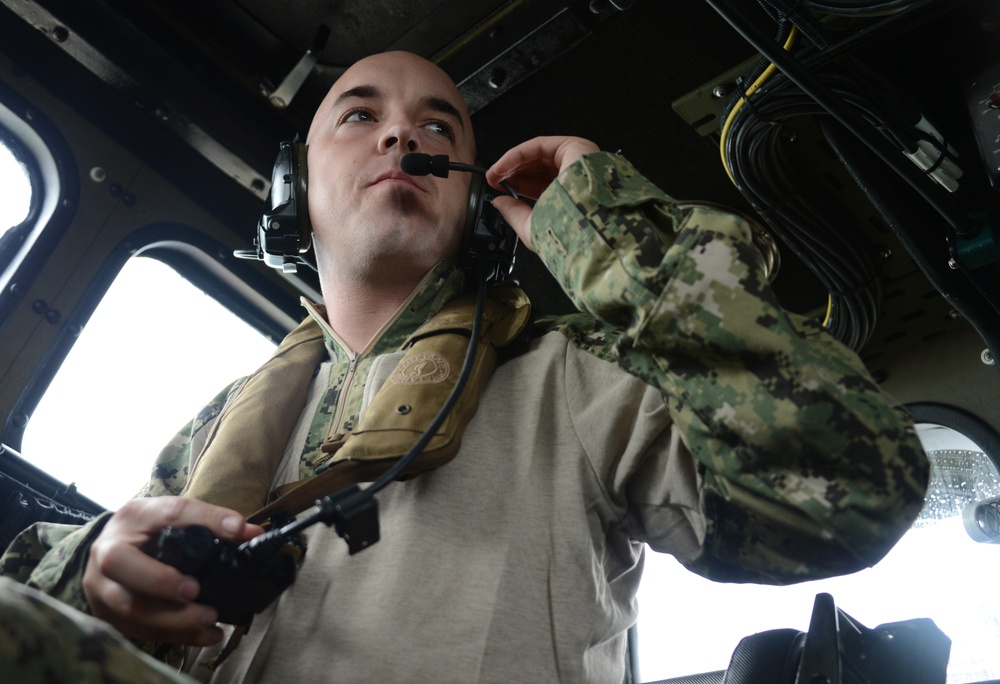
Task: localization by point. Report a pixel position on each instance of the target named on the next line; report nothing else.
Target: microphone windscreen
(417, 164)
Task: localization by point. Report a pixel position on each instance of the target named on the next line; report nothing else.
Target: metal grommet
(403, 409)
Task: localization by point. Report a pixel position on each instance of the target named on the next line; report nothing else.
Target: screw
(952, 264)
(39, 306)
(720, 91)
(53, 316)
(97, 174)
(986, 356)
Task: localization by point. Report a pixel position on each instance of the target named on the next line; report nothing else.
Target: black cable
(792, 10)
(919, 13)
(800, 215)
(818, 91)
(353, 510)
(899, 211)
(784, 28)
(856, 7)
(400, 466)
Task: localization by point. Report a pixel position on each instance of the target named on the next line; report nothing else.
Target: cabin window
(16, 188)
(688, 624)
(155, 350)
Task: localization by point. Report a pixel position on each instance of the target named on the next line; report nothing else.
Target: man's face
(365, 212)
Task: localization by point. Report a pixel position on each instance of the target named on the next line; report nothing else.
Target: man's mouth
(397, 176)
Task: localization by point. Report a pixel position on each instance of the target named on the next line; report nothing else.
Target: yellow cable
(792, 35)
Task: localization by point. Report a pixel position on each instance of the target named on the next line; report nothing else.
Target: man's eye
(441, 128)
(358, 115)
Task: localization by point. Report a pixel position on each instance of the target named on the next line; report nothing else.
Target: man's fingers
(518, 216)
(142, 597)
(147, 619)
(149, 516)
(131, 566)
(546, 156)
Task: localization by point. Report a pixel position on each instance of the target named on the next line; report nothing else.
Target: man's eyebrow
(361, 92)
(369, 92)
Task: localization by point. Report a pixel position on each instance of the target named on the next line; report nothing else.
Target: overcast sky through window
(16, 190)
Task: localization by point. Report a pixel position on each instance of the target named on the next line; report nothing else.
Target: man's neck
(359, 308)
(357, 314)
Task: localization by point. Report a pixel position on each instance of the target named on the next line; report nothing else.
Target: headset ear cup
(301, 175)
(472, 214)
(284, 231)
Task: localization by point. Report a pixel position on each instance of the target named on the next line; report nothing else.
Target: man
(683, 408)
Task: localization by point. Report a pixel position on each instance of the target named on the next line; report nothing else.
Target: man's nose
(398, 133)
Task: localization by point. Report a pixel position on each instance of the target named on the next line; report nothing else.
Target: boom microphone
(417, 164)
(420, 164)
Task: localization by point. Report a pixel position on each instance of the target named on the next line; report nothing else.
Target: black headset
(284, 232)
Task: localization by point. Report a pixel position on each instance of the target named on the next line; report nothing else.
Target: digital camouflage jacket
(683, 408)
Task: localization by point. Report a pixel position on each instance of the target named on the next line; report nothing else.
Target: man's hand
(142, 597)
(530, 168)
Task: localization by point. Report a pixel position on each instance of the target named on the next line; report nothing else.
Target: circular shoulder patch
(422, 368)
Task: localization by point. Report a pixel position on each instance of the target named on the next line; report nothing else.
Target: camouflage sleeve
(51, 557)
(806, 470)
(41, 640)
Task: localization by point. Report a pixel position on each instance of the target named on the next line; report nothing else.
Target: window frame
(237, 285)
(55, 192)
